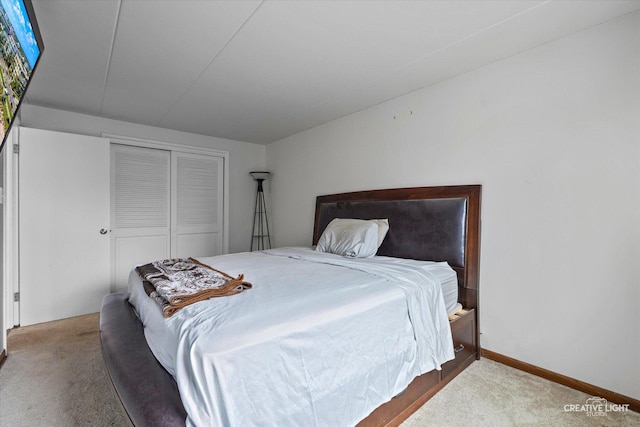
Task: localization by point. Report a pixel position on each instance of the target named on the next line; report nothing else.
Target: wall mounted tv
(20, 50)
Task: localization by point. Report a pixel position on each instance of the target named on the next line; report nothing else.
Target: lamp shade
(260, 175)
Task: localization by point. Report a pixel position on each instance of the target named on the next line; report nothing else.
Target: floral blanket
(176, 283)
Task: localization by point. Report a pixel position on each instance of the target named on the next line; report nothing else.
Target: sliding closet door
(164, 204)
(197, 201)
(140, 209)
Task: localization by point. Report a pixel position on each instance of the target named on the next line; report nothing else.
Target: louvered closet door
(197, 202)
(140, 208)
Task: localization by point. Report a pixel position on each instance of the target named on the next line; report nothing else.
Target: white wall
(243, 157)
(553, 135)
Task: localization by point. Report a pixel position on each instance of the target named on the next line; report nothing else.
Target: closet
(164, 204)
(91, 208)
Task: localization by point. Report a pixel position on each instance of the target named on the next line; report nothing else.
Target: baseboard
(611, 396)
(3, 356)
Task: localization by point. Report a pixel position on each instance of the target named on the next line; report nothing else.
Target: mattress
(319, 339)
(446, 275)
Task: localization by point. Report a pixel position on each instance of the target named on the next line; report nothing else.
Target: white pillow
(354, 238)
(383, 227)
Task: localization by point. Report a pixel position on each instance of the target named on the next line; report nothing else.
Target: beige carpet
(491, 394)
(55, 376)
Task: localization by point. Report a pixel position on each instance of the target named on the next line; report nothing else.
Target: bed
(431, 224)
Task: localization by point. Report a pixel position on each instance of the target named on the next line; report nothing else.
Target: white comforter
(320, 340)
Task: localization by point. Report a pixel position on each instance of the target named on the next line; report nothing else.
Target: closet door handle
(103, 231)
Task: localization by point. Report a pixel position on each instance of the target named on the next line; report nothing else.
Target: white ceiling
(259, 71)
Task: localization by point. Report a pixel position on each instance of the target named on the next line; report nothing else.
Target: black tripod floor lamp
(261, 238)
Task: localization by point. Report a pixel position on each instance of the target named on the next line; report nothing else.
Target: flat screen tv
(20, 50)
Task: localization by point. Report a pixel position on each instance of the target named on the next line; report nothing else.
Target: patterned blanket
(176, 283)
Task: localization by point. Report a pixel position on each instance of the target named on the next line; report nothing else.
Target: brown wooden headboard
(425, 223)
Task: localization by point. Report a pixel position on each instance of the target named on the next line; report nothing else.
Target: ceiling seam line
(233, 36)
(113, 42)
(435, 52)
(470, 36)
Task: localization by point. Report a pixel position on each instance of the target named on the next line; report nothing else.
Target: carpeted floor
(491, 394)
(55, 376)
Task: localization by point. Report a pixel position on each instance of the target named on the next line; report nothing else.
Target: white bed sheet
(446, 275)
(319, 339)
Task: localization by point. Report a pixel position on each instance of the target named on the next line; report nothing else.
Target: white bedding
(319, 340)
(446, 275)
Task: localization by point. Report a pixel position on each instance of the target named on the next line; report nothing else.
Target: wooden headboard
(425, 223)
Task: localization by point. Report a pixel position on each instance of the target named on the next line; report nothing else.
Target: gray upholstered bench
(147, 391)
